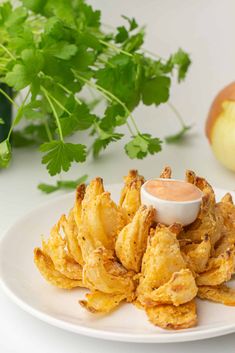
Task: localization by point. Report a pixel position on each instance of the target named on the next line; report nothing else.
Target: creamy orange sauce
(173, 190)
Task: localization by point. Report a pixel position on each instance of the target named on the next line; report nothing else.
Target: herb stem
(130, 129)
(124, 107)
(59, 104)
(77, 100)
(125, 52)
(9, 98)
(91, 84)
(178, 115)
(7, 51)
(89, 150)
(153, 54)
(103, 61)
(69, 92)
(18, 115)
(62, 87)
(4, 59)
(97, 129)
(116, 48)
(54, 113)
(48, 131)
(110, 97)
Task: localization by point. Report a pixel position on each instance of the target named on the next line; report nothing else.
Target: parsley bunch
(55, 48)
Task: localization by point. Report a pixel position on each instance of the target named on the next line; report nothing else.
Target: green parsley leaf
(141, 145)
(81, 119)
(90, 17)
(115, 115)
(62, 9)
(133, 43)
(132, 22)
(82, 60)
(178, 136)
(57, 48)
(103, 141)
(5, 12)
(53, 28)
(156, 90)
(16, 17)
(47, 188)
(62, 184)
(5, 154)
(182, 61)
(122, 79)
(122, 35)
(35, 5)
(18, 77)
(89, 40)
(2, 121)
(24, 40)
(59, 155)
(62, 50)
(154, 144)
(23, 74)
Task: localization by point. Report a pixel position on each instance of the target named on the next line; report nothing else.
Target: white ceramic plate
(24, 285)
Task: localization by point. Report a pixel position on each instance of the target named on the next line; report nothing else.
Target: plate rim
(168, 337)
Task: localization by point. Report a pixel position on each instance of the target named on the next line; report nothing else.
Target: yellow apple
(220, 126)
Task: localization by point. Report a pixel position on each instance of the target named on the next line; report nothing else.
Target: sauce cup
(169, 212)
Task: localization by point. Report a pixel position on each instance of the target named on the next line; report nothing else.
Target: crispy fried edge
(110, 302)
(219, 294)
(169, 322)
(51, 275)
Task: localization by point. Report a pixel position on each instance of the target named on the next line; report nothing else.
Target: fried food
(112, 218)
(197, 254)
(132, 175)
(227, 211)
(218, 271)
(132, 240)
(77, 209)
(51, 275)
(100, 225)
(209, 220)
(130, 194)
(166, 173)
(226, 208)
(95, 188)
(226, 242)
(55, 248)
(119, 253)
(180, 289)
(161, 261)
(102, 218)
(102, 272)
(173, 317)
(202, 184)
(227, 198)
(101, 303)
(204, 224)
(71, 236)
(98, 218)
(219, 294)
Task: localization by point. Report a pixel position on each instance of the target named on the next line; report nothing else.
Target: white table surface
(206, 29)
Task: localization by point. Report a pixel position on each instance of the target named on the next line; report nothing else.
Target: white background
(204, 28)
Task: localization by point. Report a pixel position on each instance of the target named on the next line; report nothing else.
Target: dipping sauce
(173, 190)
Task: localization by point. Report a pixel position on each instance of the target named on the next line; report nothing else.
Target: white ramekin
(169, 212)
